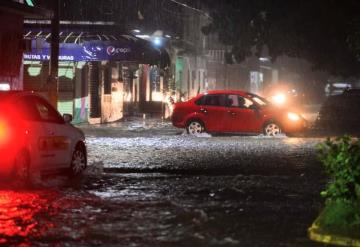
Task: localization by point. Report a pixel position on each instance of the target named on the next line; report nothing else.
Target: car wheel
(78, 162)
(195, 127)
(22, 167)
(272, 129)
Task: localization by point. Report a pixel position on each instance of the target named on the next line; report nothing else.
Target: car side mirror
(67, 118)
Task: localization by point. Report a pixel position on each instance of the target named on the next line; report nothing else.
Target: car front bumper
(295, 126)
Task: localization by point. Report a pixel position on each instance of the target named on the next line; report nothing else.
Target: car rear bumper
(177, 122)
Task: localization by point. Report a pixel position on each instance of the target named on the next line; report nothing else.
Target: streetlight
(157, 41)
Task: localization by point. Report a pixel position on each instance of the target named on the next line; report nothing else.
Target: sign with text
(88, 51)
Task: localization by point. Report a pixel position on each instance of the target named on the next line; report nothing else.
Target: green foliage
(341, 214)
(341, 158)
(341, 218)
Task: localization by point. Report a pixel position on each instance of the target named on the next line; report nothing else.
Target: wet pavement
(155, 186)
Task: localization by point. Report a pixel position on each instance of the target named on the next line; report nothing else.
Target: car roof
(13, 94)
(227, 92)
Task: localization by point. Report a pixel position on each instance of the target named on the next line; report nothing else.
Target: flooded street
(179, 123)
(174, 190)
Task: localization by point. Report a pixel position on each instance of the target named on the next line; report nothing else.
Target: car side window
(247, 102)
(213, 100)
(234, 100)
(27, 109)
(47, 112)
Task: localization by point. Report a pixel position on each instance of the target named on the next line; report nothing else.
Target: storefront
(98, 78)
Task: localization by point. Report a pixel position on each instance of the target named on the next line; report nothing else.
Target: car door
(58, 137)
(35, 130)
(241, 114)
(212, 109)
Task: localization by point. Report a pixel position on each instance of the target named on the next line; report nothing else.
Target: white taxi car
(35, 137)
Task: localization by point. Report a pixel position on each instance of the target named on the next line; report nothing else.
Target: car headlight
(278, 99)
(293, 116)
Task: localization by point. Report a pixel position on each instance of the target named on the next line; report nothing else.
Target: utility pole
(54, 56)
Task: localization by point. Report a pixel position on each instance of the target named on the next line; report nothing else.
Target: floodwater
(174, 190)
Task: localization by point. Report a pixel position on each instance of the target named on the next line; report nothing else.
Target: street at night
(149, 189)
(179, 123)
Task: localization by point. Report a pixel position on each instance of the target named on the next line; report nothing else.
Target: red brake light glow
(11, 131)
(5, 132)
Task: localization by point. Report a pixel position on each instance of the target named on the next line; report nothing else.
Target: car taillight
(5, 132)
(11, 130)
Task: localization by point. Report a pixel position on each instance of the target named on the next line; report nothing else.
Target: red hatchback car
(225, 111)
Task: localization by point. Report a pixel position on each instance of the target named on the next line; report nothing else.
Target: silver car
(35, 137)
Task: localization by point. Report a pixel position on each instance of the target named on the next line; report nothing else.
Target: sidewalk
(131, 127)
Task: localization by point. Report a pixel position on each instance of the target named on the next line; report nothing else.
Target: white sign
(111, 50)
(46, 57)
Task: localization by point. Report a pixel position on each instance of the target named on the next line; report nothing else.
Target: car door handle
(203, 110)
(232, 113)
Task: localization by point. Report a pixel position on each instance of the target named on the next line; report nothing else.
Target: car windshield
(259, 100)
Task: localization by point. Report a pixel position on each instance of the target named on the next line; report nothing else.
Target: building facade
(201, 62)
(101, 77)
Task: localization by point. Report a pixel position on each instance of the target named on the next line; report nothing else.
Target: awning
(96, 47)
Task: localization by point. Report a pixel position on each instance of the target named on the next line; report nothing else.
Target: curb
(315, 234)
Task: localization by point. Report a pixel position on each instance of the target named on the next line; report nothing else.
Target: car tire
(78, 162)
(272, 129)
(195, 127)
(21, 172)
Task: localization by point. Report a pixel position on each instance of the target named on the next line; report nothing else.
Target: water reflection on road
(235, 205)
(19, 212)
(41, 216)
(27, 215)
(163, 210)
